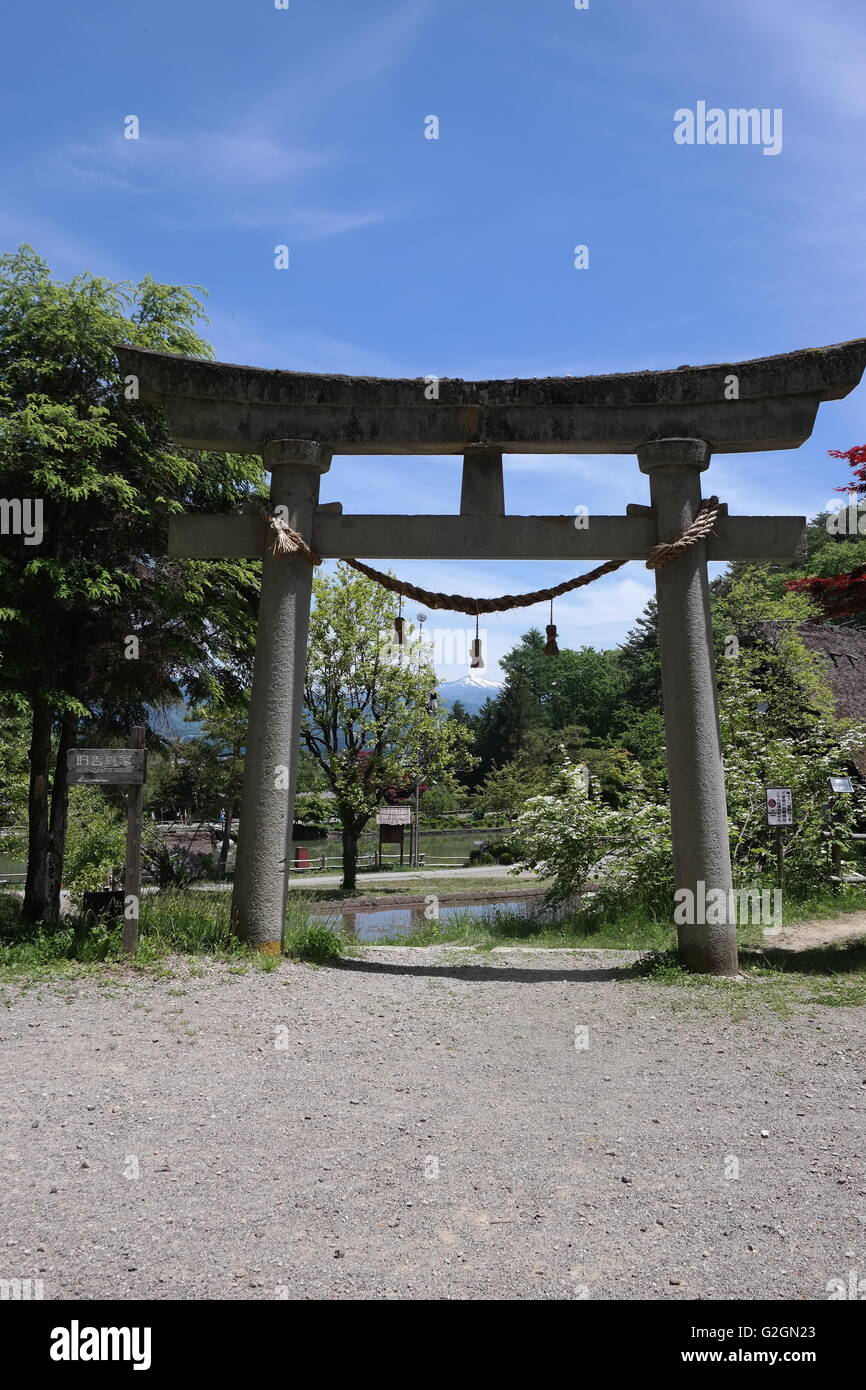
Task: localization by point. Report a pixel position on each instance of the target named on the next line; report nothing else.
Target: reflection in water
(403, 921)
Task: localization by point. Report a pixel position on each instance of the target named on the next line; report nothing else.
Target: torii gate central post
(673, 421)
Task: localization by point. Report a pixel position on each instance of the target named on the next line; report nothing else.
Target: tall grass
(173, 922)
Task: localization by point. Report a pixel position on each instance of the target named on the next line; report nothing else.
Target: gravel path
(429, 1129)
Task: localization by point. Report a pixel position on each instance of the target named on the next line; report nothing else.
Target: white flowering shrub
(571, 839)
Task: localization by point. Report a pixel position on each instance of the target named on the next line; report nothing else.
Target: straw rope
(287, 541)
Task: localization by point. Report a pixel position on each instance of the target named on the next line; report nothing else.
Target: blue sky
(454, 257)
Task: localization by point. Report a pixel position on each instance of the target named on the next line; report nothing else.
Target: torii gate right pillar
(699, 818)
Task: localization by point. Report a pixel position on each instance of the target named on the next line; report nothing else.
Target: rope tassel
(475, 657)
(400, 626)
(550, 647)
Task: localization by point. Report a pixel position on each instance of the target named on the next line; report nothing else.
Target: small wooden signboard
(120, 767)
(106, 766)
(392, 822)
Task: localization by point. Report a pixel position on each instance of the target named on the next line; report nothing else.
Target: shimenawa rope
(287, 541)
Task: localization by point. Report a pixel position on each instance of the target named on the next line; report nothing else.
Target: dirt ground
(808, 934)
(428, 1123)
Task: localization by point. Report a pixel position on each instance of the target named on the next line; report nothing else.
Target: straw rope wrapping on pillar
(286, 541)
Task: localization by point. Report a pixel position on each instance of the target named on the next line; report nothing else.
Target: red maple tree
(841, 595)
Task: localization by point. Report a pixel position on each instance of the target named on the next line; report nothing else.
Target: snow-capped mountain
(472, 691)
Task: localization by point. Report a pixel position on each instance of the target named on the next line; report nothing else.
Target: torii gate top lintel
(736, 407)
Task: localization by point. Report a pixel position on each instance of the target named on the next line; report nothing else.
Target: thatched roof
(844, 650)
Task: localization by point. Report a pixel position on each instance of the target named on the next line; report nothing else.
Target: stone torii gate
(672, 420)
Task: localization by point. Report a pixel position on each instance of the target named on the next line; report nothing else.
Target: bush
(754, 761)
(571, 839)
(95, 840)
(509, 849)
(313, 810)
(178, 867)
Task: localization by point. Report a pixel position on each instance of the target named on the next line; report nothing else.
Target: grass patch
(833, 975)
(635, 927)
(543, 926)
(823, 904)
(314, 943)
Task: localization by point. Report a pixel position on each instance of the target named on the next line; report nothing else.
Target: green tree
(221, 745)
(367, 707)
(640, 664)
(762, 659)
(504, 723)
(98, 623)
(311, 778)
(574, 688)
(13, 783)
(506, 789)
(584, 685)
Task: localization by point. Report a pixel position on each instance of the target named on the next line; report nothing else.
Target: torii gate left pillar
(273, 732)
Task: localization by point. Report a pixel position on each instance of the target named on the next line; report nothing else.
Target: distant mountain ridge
(472, 692)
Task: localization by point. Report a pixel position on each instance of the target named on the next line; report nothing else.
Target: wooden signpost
(120, 767)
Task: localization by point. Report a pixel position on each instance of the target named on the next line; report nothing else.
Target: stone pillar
(694, 752)
(273, 735)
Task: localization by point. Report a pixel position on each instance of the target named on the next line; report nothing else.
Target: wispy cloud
(361, 59)
(221, 176)
(232, 159)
